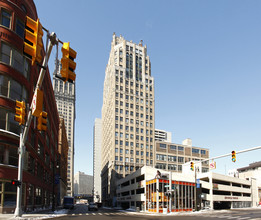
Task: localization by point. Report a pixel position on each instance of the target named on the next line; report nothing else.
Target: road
(81, 212)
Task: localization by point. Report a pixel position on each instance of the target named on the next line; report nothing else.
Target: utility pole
(23, 135)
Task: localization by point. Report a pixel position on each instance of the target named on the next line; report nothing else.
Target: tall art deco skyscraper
(127, 114)
(65, 100)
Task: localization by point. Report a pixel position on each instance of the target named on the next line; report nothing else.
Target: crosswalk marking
(226, 217)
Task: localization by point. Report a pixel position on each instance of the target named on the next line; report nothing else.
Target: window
(6, 54)
(172, 167)
(19, 29)
(12, 89)
(203, 152)
(180, 148)
(173, 147)
(163, 146)
(15, 59)
(172, 158)
(161, 157)
(195, 151)
(181, 159)
(6, 18)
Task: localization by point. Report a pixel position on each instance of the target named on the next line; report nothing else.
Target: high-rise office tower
(65, 100)
(97, 140)
(127, 114)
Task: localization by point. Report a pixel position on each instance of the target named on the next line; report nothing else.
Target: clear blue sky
(205, 57)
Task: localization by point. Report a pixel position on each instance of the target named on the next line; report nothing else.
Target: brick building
(17, 82)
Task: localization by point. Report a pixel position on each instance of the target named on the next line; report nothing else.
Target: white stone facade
(65, 100)
(83, 184)
(161, 135)
(127, 114)
(97, 140)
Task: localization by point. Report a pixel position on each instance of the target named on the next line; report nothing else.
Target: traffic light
(68, 64)
(233, 156)
(20, 112)
(16, 183)
(33, 39)
(42, 121)
(192, 166)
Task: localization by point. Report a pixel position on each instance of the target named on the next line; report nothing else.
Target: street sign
(212, 165)
(166, 186)
(198, 183)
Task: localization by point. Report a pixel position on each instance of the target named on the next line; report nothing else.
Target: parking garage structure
(225, 192)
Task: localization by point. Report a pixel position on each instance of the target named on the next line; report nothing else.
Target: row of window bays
(137, 62)
(140, 90)
(182, 150)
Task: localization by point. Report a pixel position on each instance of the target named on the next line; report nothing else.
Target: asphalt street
(81, 212)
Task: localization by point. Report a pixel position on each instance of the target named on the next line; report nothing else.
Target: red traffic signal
(16, 183)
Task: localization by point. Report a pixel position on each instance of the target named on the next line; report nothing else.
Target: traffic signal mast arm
(52, 42)
(229, 154)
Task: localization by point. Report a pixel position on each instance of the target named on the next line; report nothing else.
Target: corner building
(17, 82)
(127, 114)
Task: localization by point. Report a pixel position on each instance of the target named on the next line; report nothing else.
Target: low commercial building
(221, 191)
(153, 190)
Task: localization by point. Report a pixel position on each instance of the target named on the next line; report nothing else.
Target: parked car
(92, 206)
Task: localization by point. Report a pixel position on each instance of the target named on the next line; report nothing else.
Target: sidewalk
(43, 214)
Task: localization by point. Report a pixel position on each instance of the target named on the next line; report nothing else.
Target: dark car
(92, 206)
(68, 202)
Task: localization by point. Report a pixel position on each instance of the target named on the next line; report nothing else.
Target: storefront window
(9, 199)
(181, 195)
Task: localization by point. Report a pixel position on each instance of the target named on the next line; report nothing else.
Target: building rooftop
(251, 166)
